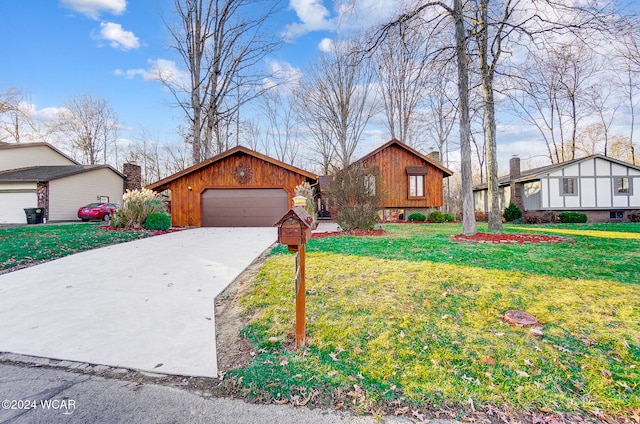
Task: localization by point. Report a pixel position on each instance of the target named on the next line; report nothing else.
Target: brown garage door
(250, 207)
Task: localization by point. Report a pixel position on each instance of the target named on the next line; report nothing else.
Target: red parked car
(100, 211)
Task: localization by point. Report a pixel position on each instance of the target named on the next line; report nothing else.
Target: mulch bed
(510, 238)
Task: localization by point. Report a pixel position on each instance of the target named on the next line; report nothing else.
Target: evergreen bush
(449, 218)
(512, 212)
(418, 217)
(157, 221)
(573, 217)
(436, 216)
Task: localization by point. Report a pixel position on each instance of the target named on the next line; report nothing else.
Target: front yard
(29, 245)
(410, 323)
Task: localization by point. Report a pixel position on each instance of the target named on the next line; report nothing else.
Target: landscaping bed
(481, 237)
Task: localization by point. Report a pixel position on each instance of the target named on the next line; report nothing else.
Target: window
(616, 215)
(569, 187)
(370, 184)
(623, 186)
(416, 185)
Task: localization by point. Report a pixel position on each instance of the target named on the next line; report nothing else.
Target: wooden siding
(186, 209)
(392, 163)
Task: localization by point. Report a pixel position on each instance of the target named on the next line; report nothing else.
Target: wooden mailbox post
(294, 230)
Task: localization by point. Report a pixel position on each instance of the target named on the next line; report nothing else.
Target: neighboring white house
(602, 187)
(36, 175)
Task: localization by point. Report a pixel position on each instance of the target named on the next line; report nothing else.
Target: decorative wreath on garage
(243, 174)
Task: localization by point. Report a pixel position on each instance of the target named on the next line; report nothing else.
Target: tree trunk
(486, 71)
(469, 226)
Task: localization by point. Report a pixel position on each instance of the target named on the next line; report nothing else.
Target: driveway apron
(146, 304)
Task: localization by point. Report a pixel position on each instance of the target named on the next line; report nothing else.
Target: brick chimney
(514, 167)
(434, 155)
(133, 176)
(515, 188)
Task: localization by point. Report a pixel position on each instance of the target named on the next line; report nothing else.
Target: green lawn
(28, 245)
(412, 321)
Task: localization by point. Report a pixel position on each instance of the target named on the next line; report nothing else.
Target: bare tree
(90, 126)
(401, 72)
(554, 95)
(221, 43)
(16, 119)
(282, 131)
(339, 99)
(629, 53)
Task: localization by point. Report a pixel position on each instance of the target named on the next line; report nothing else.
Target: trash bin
(34, 215)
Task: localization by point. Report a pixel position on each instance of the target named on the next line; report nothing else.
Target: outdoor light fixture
(190, 188)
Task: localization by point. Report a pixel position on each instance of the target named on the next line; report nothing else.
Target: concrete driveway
(146, 304)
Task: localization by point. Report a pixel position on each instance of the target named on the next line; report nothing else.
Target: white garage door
(251, 207)
(12, 206)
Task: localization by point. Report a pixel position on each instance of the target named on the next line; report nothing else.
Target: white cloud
(158, 70)
(93, 8)
(362, 14)
(116, 36)
(313, 17)
(326, 45)
(282, 74)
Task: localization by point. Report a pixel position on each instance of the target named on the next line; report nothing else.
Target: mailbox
(294, 228)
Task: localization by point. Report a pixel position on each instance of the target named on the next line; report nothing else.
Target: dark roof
(445, 171)
(48, 173)
(230, 152)
(536, 173)
(40, 143)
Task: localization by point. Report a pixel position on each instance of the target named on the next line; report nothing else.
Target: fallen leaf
(522, 374)
(402, 334)
(528, 363)
(273, 339)
(357, 351)
(280, 402)
(158, 365)
(488, 360)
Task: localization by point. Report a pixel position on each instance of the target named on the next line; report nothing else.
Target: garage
(243, 207)
(13, 202)
(237, 188)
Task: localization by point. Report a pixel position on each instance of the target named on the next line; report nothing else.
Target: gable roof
(48, 173)
(7, 146)
(221, 156)
(447, 172)
(537, 173)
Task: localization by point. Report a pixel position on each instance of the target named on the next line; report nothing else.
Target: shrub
(138, 205)
(531, 218)
(482, 217)
(512, 212)
(355, 197)
(417, 217)
(634, 216)
(573, 217)
(306, 190)
(436, 216)
(548, 217)
(449, 218)
(117, 221)
(157, 221)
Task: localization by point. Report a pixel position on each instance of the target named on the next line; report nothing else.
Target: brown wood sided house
(237, 188)
(409, 181)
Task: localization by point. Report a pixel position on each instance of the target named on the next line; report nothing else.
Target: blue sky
(55, 49)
